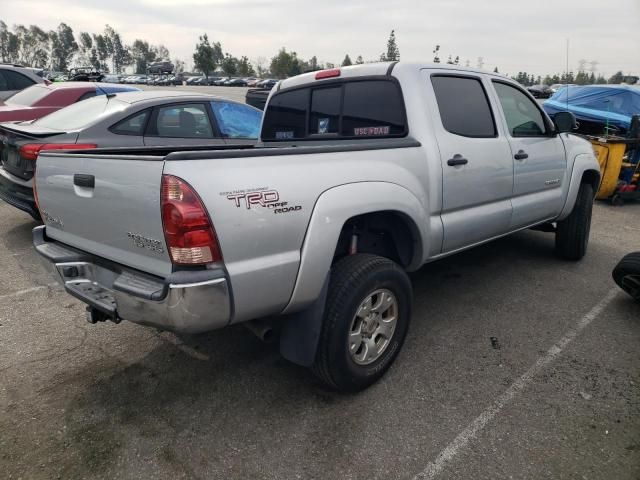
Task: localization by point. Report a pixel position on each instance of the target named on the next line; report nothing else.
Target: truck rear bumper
(185, 302)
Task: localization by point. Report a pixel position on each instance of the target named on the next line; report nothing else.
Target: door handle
(521, 155)
(457, 160)
(82, 180)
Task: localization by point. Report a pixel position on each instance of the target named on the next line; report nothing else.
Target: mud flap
(301, 331)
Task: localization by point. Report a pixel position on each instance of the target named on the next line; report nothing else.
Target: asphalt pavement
(518, 365)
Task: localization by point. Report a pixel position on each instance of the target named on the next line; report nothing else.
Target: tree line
(59, 49)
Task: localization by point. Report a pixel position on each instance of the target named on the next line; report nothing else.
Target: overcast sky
(510, 34)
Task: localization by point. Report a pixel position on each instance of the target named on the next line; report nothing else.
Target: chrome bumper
(186, 302)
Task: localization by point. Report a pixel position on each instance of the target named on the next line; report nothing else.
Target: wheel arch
(586, 169)
(336, 211)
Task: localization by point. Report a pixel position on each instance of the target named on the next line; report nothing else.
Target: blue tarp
(598, 103)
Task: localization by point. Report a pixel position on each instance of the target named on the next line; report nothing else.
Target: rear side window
(464, 106)
(349, 109)
(134, 125)
(236, 120)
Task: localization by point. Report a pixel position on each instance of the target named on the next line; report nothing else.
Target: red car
(39, 100)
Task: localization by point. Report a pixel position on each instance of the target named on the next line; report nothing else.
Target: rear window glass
(29, 96)
(82, 114)
(351, 109)
(464, 107)
(325, 110)
(17, 80)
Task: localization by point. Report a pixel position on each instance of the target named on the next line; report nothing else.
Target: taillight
(35, 193)
(333, 72)
(30, 151)
(188, 230)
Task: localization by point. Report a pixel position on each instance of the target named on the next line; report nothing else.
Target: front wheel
(572, 233)
(366, 320)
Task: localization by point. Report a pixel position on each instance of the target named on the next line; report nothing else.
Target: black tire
(617, 200)
(572, 233)
(353, 278)
(627, 274)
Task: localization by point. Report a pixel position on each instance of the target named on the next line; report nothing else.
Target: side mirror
(565, 122)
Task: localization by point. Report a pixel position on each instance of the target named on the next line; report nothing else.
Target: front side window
(236, 120)
(523, 117)
(464, 106)
(183, 121)
(134, 125)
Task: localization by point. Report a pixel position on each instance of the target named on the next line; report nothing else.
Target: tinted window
(236, 120)
(286, 115)
(523, 117)
(464, 107)
(28, 96)
(183, 121)
(372, 108)
(17, 80)
(82, 114)
(4, 84)
(325, 110)
(133, 125)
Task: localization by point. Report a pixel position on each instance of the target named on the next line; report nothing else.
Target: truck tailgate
(105, 205)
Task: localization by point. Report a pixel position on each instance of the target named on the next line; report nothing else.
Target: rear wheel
(366, 321)
(572, 233)
(627, 274)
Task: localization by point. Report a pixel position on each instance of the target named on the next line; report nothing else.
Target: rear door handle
(521, 155)
(82, 180)
(457, 160)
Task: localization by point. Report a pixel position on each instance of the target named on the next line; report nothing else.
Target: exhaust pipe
(262, 328)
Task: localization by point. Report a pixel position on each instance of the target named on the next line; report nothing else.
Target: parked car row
(99, 115)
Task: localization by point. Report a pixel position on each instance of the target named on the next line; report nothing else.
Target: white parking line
(27, 290)
(458, 443)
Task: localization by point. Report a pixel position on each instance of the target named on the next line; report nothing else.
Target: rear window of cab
(345, 109)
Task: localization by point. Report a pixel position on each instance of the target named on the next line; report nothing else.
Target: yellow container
(610, 154)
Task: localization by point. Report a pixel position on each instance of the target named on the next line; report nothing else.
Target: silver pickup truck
(362, 174)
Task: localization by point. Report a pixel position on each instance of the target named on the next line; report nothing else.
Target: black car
(540, 91)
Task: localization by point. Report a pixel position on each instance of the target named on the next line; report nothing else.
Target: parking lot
(234, 93)
(517, 365)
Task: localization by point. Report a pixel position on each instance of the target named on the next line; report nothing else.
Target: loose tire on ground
(572, 233)
(627, 274)
(354, 281)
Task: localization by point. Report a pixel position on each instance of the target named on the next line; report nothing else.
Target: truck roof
(379, 68)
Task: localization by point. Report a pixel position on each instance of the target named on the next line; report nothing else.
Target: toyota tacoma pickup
(362, 174)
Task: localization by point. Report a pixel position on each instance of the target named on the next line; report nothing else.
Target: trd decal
(260, 197)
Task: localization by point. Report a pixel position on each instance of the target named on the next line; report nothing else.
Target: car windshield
(82, 114)
(29, 96)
